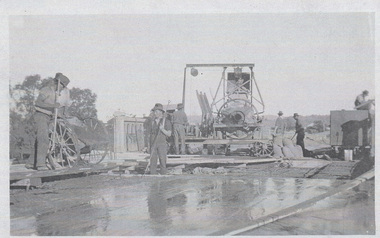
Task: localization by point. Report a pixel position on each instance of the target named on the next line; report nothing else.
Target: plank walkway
(20, 176)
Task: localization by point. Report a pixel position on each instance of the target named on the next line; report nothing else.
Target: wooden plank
(51, 173)
(205, 141)
(182, 156)
(312, 163)
(201, 160)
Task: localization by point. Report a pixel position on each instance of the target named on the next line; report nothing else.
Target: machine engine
(232, 112)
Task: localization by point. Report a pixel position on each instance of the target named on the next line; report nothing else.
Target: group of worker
(158, 127)
(280, 128)
(53, 100)
(361, 103)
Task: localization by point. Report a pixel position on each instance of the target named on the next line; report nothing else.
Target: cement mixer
(236, 108)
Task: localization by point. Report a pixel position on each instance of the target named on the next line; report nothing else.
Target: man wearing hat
(300, 131)
(360, 99)
(64, 99)
(280, 124)
(160, 129)
(45, 105)
(179, 121)
(361, 103)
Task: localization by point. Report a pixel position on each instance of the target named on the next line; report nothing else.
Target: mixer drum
(238, 116)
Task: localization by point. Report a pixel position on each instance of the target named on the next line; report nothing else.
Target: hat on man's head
(280, 113)
(179, 106)
(295, 115)
(365, 92)
(62, 79)
(158, 106)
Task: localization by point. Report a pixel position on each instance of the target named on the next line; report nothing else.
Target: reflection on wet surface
(349, 213)
(179, 206)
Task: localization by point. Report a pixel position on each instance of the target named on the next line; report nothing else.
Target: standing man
(280, 124)
(147, 128)
(45, 106)
(300, 131)
(179, 123)
(160, 129)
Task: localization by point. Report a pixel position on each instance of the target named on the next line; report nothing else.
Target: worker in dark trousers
(160, 129)
(45, 105)
(300, 131)
(179, 123)
(147, 128)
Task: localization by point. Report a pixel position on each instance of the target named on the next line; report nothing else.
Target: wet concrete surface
(182, 205)
(348, 213)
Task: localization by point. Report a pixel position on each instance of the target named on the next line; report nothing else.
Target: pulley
(194, 72)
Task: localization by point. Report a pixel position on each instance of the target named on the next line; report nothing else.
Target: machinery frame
(233, 116)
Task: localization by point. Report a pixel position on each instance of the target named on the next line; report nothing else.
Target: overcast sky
(308, 63)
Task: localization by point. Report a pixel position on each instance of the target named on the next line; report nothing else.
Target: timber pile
(215, 159)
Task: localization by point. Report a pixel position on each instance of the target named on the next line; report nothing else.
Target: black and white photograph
(189, 118)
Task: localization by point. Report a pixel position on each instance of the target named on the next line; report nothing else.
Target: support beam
(119, 136)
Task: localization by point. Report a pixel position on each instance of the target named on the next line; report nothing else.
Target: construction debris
(284, 163)
(176, 170)
(200, 170)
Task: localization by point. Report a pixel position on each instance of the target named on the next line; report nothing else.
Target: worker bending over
(300, 131)
(361, 102)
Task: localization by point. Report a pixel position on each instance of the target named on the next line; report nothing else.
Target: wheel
(62, 150)
(97, 148)
(261, 149)
(95, 154)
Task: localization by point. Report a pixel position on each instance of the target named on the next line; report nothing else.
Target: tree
(21, 130)
(24, 94)
(22, 135)
(83, 105)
